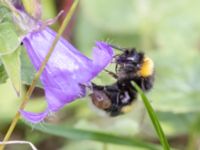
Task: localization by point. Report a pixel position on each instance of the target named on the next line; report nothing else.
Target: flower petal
(34, 117)
(66, 69)
(102, 56)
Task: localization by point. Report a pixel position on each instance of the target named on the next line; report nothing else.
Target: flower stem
(39, 72)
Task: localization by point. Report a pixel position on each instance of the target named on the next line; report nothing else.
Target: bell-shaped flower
(66, 71)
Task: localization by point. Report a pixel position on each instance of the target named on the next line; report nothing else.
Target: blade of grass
(154, 119)
(80, 134)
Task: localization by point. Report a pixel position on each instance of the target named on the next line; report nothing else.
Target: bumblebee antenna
(122, 49)
(118, 48)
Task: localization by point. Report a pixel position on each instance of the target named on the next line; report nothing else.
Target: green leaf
(3, 74)
(9, 40)
(78, 134)
(153, 118)
(13, 68)
(27, 69)
(9, 102)
(5, 14)
(176, 85)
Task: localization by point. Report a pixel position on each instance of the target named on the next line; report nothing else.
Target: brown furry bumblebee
(130, 66)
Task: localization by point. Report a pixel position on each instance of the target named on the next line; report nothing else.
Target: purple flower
(66, 69)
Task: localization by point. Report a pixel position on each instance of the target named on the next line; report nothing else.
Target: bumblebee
(130, 66)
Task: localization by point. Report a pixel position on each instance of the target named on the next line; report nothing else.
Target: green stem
(39, 72)
(154, 119)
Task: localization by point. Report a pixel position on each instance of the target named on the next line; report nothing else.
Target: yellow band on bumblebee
(147, 67)
(127, 108)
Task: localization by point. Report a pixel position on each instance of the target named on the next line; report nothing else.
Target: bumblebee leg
(117, 55)
(116, 67)
(147, 83)
(111, 73)
(143, 85)
(87, 87)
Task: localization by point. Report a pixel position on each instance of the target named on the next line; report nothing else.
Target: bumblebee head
(130, 56)
(130, 60)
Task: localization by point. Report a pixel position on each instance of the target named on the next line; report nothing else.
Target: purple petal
(34, 117)
(66, 69)
(102, 55)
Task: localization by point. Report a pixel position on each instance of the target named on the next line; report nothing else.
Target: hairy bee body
(129, 66)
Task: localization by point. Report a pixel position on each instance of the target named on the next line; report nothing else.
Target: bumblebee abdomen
(100, 99)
